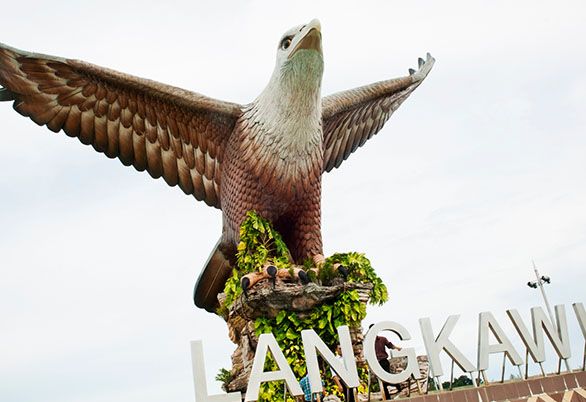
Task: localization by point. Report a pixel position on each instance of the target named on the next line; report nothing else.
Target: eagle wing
(169, 132)
(351, 117)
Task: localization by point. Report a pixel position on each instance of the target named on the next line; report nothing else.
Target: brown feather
(101, 133)
(53, 87)
(89, 88)
(163, 137)
(151, 131)
(126, 117)
(112, 130)
(113, 111)
(189, 155)
(86, 134)
(73, 123)
(29, 65)
(111, 96)
(132, 106)
(101, 92)
(138, 125)
(184, 176)
(184, 133)
(63, 71)
(177, 146)
(210, 167)
(44, 77)
(77, 83)
(198, 187)
(123, 100)
(199, 161)
(141, 107)
(88, 104)
(56, 123)
(169, 167)
(125, 145)
(139, 149)
(71, 98)
(101, 107)
(208, 185)
(154, 162)
(44, 116)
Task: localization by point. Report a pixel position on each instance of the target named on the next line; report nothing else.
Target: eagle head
(299, 65)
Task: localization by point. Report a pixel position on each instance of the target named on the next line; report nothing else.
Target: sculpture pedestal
(266, 301)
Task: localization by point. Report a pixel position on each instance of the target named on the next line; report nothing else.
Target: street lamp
(543, 279)
(539, 283)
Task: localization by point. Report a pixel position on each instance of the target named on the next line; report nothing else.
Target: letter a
(258, 376)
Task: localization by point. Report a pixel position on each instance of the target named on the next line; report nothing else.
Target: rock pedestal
(268, 300)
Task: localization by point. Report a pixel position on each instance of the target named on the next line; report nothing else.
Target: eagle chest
(272, 165)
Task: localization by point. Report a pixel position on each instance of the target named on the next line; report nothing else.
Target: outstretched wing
(167, 131)
(351, 117)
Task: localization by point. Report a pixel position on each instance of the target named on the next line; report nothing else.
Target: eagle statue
(267, 156)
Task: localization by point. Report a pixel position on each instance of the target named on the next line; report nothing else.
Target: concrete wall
(568, 387)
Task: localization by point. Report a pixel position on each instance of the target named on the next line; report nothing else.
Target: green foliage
(462, 381)
(431, 384)
(360, 270)
(232, 290)
(224, 376)
(324, 319)
(259, 244)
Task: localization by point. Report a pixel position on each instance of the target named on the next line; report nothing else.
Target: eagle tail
(212, 278)
(6, 95)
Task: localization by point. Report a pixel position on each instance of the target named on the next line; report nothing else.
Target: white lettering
(486, 323)
(268, 342)
(312, 344)
(557, 336)
(442, 342)
(412, 368)
(199, 378)
(581, 316)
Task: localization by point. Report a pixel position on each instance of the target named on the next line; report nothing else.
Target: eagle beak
(311, 39)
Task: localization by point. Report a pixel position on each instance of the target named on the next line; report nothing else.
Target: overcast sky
(480, 171)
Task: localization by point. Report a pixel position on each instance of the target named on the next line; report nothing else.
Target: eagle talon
(245, 284)
(342, 270)
(271, 270)
(303, 277)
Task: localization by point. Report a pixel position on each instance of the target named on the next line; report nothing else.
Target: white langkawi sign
(557, 333)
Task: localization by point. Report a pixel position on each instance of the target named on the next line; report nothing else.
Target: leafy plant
(224, 376)
(324, 319)
(360, 270)
(261, 244)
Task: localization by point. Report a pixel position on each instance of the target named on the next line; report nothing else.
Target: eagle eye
(286, 42)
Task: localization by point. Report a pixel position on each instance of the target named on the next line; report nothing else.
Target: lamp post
(539, 283)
